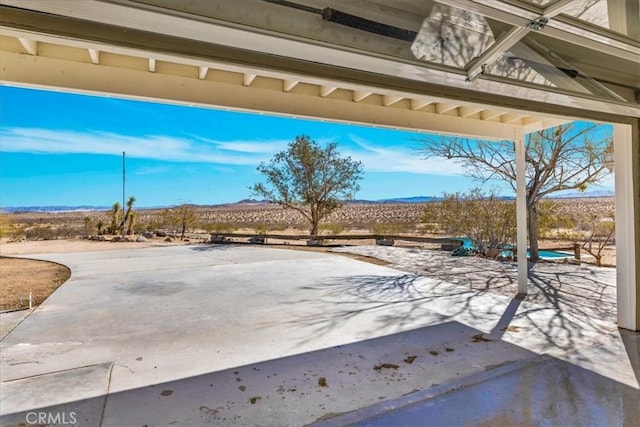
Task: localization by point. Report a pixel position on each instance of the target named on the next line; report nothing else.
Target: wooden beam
(388, 100)
(465, 111)
(490, 114)
(327, 90)
(359, 95)
(513, 117)
(247, 79)
(31, 46)
(442, 108)
(132, 83)
(95, 56)
(202, 72)
(288, 85)
(417, 104)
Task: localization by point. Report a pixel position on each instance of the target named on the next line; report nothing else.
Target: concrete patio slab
(241, 335)
(76, 394)
(10, 319)
(549, 391)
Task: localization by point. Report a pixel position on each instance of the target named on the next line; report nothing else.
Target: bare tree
(309, 179)
(568, 157)
(600, 235)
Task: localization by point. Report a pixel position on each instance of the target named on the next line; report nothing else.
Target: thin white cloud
(251, 147)
(396, 159)
(196, 149)
(157, 147)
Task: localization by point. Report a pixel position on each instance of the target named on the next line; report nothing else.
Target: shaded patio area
(255, 336)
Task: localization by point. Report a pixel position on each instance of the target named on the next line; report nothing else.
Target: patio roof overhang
(288, 58)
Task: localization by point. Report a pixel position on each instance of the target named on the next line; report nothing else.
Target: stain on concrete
(480, 338)
(152, 288)
(382, 366)
(208, 410)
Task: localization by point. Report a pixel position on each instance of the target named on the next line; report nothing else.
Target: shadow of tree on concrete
(567, 307)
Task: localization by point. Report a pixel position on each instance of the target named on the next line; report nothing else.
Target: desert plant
(488, 220)
(132, 219)
(87, 224)
(601, 234)
(127, 216)
(260, 229)
(99, 226)
(388, 229)
(562, 158)
(115, 218)
(309, 179)
(332, 228)
(8, 227)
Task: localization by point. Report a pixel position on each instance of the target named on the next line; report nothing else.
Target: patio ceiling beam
(417, 104)
(202, 72)
(31, 46)
(288, 85)
(327, 90)
(359, 95)
(274, 54)
(442, 107)
(135, 83)
(388, 100)
(248, 78)
(94, 54)
(465, 111)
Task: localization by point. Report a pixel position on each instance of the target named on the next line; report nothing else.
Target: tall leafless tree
(568, 157)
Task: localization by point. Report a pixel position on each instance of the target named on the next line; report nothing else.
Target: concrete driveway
(242, 335)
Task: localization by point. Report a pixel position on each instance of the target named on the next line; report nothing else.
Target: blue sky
(66, 149)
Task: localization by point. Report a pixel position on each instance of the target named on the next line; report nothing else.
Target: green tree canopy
(309, 179)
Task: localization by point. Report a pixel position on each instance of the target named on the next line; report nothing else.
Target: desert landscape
(29, 232)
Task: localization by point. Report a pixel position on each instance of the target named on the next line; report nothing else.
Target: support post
(521, 210)
(626, 147)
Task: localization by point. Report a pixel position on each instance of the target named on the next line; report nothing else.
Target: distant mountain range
(414, 199)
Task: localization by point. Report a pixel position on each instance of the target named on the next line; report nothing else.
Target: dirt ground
(19, 277)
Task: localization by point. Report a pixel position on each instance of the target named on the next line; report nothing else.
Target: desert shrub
(387, 229)
(486, 219)
(219, 227)
(8, 227)
(277, 227)
(260, 228)
(552, 217)
(39, 232)
(331, 228)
